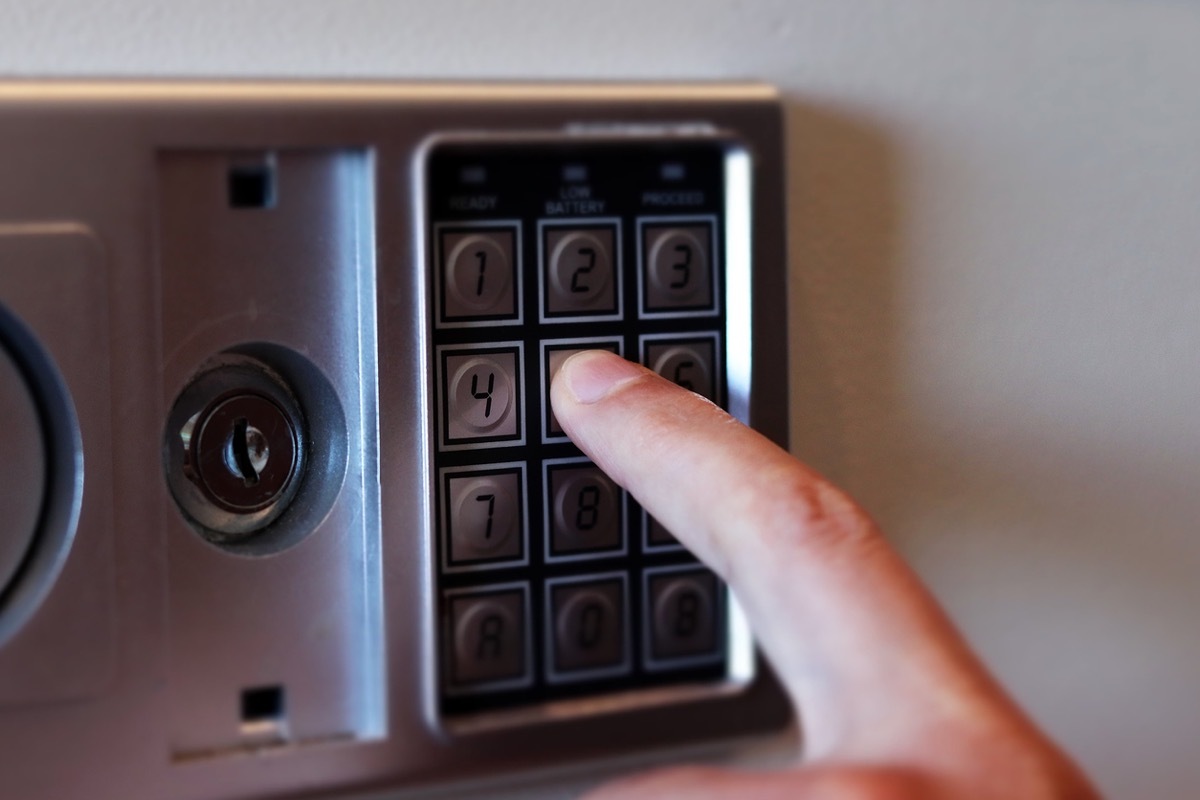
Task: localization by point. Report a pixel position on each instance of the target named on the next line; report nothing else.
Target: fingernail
(593, 374)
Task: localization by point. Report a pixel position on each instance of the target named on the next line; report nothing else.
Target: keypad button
(580, 274)
(478, 274)
(488, 635)
(589, 633)
(658, 537)
(556, 354)
(678, 272)
(585, 512)
(684, 617)
(484, 517)
(482, 395)
(688, 363)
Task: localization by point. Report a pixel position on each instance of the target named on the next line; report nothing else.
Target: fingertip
(592, 375)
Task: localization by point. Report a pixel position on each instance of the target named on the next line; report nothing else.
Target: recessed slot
(252, 186)
(262, 704)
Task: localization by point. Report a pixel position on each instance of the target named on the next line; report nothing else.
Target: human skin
(894, 703)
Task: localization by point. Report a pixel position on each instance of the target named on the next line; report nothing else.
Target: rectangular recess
(301, 278)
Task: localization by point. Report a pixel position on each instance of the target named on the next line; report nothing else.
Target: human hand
(895, 705)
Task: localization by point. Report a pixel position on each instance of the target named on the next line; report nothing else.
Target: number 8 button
(584, 512)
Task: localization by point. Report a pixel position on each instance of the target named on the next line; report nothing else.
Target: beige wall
(996, 282)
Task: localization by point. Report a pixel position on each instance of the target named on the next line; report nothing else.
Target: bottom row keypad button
(489, 631)
(589, 630)
(684, 617)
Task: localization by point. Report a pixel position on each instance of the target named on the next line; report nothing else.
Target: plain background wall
(995, 260)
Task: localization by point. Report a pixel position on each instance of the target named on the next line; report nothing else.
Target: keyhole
(246, 452)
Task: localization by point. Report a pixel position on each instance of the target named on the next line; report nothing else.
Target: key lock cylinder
(238, 451)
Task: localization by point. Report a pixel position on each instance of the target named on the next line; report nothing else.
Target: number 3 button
(584, 512)
(678, 275)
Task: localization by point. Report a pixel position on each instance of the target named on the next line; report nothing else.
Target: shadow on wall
(1063, 548)
(844, 221)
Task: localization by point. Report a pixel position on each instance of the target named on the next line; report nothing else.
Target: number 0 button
(584, 514)
(588, 634)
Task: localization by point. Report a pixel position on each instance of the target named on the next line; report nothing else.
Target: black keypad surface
(552, 582)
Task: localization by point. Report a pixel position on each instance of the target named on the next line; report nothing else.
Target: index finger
(831, 603)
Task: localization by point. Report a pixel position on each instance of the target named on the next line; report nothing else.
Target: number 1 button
(478, 275)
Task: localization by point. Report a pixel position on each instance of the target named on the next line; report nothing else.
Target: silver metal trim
(544, 385)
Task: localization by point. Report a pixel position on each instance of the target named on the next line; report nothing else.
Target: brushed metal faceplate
(129, 675)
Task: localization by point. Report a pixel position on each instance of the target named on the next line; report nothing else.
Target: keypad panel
(552, 583)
